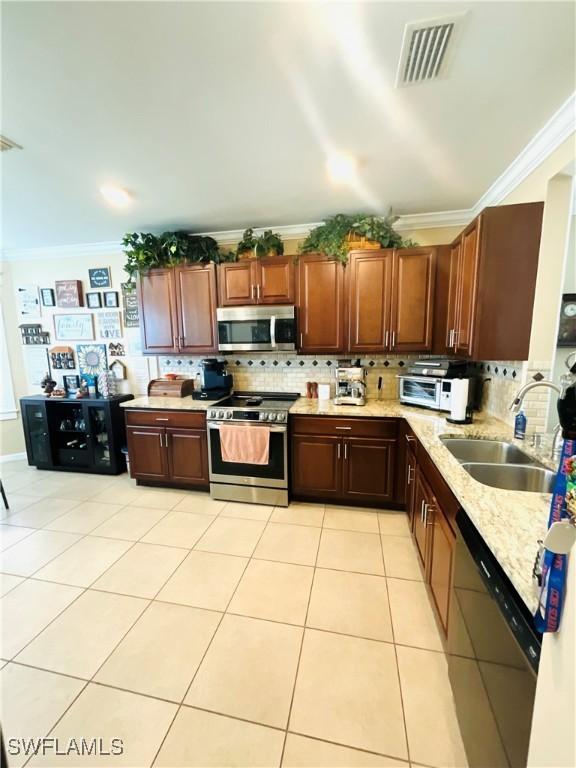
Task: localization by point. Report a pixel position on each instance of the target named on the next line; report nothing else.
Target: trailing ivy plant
(268, 242)
(145, 251)
(333, 235)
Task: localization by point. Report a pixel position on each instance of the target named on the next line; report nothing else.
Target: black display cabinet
(85, 435)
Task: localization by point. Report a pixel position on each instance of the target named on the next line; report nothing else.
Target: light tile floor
(203, 633)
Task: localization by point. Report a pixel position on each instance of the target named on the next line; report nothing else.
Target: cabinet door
(370, 289)
(414, 280)
(275, 282)
(37, 435)
(410, 482)
(453, 295)
(369, 469)
(158, 311)
(320, 300)
(467, 288)
(187, 455)
(420, 529)
(316, 466)
(237, 283)
(196, 297)
(99, 435)
(147, 453)
(443, 543)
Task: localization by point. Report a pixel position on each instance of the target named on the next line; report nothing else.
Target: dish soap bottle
(520, 426)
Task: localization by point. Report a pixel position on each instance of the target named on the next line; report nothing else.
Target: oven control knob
(220, 414)
(272, 416)
(281, 417)
(262, 416)
(227, 414)
(212, 414)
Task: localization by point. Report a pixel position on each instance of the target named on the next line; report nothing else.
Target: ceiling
(220, 115)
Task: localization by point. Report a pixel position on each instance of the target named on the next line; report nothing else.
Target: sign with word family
(74, 327)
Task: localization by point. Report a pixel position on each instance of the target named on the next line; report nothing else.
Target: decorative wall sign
(62, 358)
(118, 369)
(109, 325)
(130, 299)
(48, 298)
(94, 300)
(91, 359)
(110, 298)
(69, 294)
(74, 327)
(99, 277)
(36, 365)
(33, 334)
(28, 302)
(116, 350)
(567, 329)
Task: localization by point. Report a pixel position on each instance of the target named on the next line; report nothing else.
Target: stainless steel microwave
(256, 329)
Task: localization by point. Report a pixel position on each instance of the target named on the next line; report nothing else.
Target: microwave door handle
(273, 331)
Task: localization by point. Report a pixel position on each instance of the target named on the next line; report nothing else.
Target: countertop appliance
(255, 483)
(215, 383)
(350, 384)
(442, 368)
(175, 386)
(428, 384)
(256, 329)
(493, 655)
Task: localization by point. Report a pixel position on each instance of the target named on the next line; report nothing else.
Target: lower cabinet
(356, 468)
(442, 546)
(175, 453)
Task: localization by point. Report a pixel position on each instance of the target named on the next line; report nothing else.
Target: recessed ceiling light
(342, 168)
(115, 196)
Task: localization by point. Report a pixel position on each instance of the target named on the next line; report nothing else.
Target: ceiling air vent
(6, 144)
(425, 50)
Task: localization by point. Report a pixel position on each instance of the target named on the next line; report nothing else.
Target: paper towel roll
(459, 399)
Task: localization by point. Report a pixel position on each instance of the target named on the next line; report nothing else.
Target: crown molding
(560, 126)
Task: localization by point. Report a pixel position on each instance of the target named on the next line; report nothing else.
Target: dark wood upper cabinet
(158, 311)
(491, 284)
(178, 310)
(369, 288)
(196, 296)
(413, 284)
(269, 280)
(321, 305)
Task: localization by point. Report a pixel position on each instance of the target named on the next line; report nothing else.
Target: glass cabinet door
(100, 438)
(35, 420)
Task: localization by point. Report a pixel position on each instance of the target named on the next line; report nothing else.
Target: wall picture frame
(111, 298)
(99, 277)
(130, 301)
(79, 327)
(48, 297)
(71, 383)
(92, 359)
(28, 302)
(94, 300)
(567, 326)
(69, 294)
(109, 325)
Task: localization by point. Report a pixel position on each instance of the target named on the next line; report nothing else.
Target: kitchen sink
(512, 477)
(486, 451)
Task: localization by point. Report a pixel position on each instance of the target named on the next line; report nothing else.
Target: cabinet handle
(160, 436)
(422, 510)
(175, 341)
(409, 478)
(301, 340)
(393, 339)
(343, 427)
(252, 291)
(159, 419)
(338, 450)
(386, 335)
(456, 338)
(258, 292)
(451, 338)
(166, 440)
(345, 451)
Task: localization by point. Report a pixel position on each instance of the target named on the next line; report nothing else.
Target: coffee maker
(350, 383)
(215, 383)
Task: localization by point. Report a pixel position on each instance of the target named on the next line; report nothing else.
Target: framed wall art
(99, 277)
(69, 294)
(91, 359)
(71, 383)
(567, 327)
(130, 301)
(110, 298)
(109, 325)
(48, 298)
(74, 327)
(28, 302)
(94, 300)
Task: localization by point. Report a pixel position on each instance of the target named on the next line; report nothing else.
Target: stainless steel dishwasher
(493, 655)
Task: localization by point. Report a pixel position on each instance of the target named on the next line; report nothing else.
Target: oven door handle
(218, 424)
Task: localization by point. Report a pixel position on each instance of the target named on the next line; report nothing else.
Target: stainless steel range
(259, 483)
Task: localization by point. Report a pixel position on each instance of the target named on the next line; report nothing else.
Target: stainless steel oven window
(271, 475)
(420, 391)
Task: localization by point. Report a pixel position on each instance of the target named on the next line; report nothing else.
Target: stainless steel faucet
(519, 398)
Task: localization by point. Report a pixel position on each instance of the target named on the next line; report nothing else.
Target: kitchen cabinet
(351, 460)
(441, 554)
(178, 310)
(320, 302)
(391, 300)
(72, 435)
(168, 447)
(423, 499)
(409, 478)
(491, 284)
(269, 280)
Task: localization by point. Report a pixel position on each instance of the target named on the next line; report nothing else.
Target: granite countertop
(169, 403)
(511, 522)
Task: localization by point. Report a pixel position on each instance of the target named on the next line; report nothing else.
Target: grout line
(354, 749)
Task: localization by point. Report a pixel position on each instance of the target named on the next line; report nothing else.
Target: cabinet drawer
(148, 418)
(343, 427)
